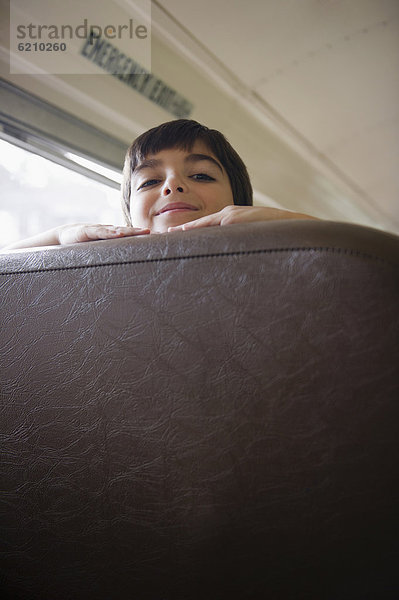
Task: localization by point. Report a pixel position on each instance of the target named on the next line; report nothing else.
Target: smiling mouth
(176, 207)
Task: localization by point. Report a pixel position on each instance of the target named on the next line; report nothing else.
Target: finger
(207, 221)
(128, 231)
(103, 232)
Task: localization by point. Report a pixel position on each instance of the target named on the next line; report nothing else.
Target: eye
(148, 183)
(202, 177)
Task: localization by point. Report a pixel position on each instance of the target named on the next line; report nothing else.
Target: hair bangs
(180, 134)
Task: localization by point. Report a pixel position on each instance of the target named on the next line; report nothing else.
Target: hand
(73, 234)
(241, 214)
(85, 232)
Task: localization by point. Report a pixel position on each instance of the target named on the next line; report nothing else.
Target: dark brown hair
(183, 133)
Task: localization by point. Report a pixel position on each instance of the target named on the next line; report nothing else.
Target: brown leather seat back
(210, 414)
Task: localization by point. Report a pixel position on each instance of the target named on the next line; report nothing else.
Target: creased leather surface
(202, 415)
(254, 237)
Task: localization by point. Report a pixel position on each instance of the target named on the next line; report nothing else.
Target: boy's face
(175, 186)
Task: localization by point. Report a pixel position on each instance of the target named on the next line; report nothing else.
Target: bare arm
(241, 214)
(75, 233)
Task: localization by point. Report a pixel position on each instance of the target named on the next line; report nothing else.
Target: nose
(173, 184)
(168, 191)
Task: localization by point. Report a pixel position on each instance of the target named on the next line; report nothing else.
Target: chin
(175, 218)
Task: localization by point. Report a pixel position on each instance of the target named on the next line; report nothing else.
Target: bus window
(38, 194)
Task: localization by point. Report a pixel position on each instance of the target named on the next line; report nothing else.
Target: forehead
(176, 152)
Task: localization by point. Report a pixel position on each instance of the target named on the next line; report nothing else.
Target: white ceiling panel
(258, 38)
(339, 92)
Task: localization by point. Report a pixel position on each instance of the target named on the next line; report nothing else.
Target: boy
(178, 175)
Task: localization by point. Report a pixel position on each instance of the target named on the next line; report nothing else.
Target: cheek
(218, 197)
(139, 210)
(227, 193)
(227, 197)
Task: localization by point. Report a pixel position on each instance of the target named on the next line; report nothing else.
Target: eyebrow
(153, 163)
(150, 163)
(198, 157)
